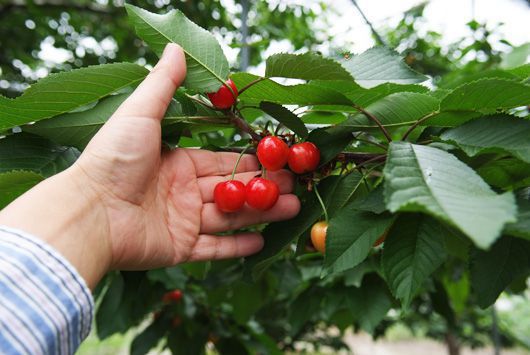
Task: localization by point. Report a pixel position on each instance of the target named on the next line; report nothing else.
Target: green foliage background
(451, 189)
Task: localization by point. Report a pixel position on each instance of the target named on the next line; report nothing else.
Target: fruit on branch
(261, 193)
(224, 97)
(318, 235)
(229, 196)
(381, 239)
(172, 296)
(303, 157)
(272, 153)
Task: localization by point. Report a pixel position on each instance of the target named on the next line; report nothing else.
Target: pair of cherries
(260, 193)
(273, 153)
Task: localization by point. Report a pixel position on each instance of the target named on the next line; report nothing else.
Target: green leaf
(399, 109)
(247, 299)
(197, 269)
(15, 183)
(148, 338)
(425, 179)
(307, 66)
(108, 317)
(207, 67)
(413, 250)
(493, 270)
(285, 116)
(369, 303)
(492, 134)
(483, 96)
(373, 202)
(330, 141)
(304, 308)
(517, 57)
(351, 236)
(521, 228)
(77, 129)
(302, 94)
(364, 97)
(380, 65)
(67, 91)
(506, 173)
(172, 277)
(344, 192)
(278, 235)
(23, 151)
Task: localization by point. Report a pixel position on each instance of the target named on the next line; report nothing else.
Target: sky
(446, 16)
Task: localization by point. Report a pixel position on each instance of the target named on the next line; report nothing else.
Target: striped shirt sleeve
(45, 305)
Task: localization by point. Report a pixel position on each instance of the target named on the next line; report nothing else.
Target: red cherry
(262, 194)
(229, 196)
(224, 98)
(303, 157)
(172, 296)
(272, 153)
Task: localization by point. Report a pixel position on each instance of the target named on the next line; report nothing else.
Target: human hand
(146, 208)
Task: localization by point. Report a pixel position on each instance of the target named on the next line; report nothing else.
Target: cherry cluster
(273, 153)
(261, 193)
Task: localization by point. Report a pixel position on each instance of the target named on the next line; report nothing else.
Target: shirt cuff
(46, 306)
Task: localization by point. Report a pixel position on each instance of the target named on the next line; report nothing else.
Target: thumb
(154, 94)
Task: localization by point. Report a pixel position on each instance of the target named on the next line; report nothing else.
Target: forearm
(65, 212)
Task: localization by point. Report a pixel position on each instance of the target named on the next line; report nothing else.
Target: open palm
(159, 208)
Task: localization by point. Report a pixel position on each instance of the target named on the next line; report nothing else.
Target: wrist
(65, 211)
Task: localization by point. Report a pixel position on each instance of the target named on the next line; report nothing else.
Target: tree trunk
(453, 347)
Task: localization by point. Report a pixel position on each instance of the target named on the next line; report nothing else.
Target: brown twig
(254, 82)
(375, 120)
(242, 125)
(417, 123)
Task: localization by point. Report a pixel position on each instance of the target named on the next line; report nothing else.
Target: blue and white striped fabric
(45, 305)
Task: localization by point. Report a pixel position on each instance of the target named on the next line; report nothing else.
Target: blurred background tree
(38, 37)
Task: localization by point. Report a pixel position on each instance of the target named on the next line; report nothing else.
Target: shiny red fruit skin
(272, 153)
(262, 194)
(229, 196)
(224, 98)
(303, 157)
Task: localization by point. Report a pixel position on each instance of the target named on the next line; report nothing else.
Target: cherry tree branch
(352, 157)
(242, 125)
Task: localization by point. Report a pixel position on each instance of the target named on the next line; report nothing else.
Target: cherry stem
(321, 203)
(375, 120)
(278, 127)
(252, 83)
(205, 104)
(266, 128)
(417, 123)
(237, 162)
